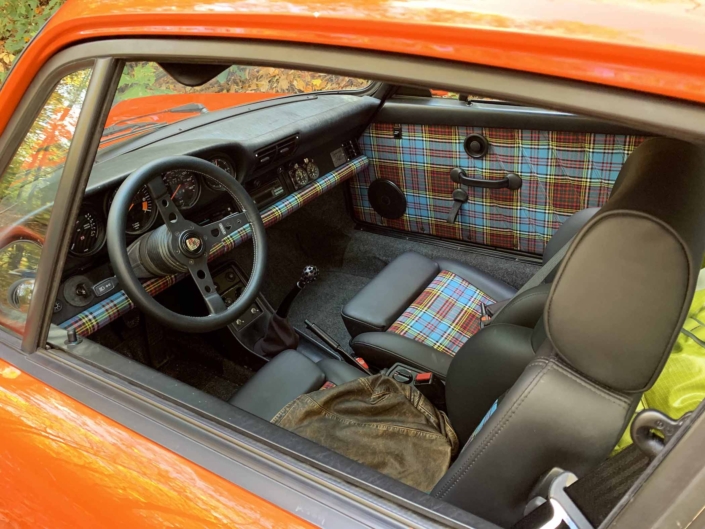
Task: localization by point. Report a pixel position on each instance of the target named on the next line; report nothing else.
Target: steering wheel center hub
(191, 244)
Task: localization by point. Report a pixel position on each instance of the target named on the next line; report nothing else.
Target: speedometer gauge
(141, 212)
(222, 161)
(89, 234)
(184, 188)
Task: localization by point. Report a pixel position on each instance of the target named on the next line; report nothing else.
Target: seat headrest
(623, 290)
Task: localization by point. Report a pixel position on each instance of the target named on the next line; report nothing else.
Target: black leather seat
(287, 376)
(613, 313)
(421, 312)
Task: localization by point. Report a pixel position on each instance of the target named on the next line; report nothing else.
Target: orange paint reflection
(64, 466)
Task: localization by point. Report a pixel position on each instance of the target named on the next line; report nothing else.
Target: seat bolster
(483, 370)
(384, 349)
(492, 287)
(339, 372)
(389, 293)
(287, 376)
(525, 309)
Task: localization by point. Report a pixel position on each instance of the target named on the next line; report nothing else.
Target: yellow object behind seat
(681, 386)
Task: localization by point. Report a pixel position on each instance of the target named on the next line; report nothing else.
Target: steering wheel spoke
(172, 217)
(215, 232)
(201, 275)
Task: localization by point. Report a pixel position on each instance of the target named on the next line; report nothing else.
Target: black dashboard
(272, 151)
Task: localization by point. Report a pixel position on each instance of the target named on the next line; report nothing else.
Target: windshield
(148, 98)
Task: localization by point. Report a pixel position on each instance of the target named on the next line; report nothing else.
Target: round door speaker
(387, 199)
(476, 145)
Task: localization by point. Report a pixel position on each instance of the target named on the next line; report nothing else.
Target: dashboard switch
(105, 286)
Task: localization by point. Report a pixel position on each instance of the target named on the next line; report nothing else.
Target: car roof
(654, 46)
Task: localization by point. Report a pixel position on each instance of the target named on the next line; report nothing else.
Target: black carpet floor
(199, 362)
(323, 234)
(195, 359)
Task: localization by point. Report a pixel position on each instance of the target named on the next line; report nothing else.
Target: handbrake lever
(357, 361)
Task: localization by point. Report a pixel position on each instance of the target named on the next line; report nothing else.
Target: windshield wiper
(143, 126)
(109, 134)
(114, 129)
(189, 108)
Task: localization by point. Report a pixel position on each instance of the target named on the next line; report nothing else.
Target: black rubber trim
(674, 497)
(438, 111)
(197, 416)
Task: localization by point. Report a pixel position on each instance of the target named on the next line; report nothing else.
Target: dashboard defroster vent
(266, 155)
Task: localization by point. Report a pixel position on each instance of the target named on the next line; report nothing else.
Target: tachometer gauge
(183, 187)
(312, 169)
(141, 212)
(224, 163)
(89, 234)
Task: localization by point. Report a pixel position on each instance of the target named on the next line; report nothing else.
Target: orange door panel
(62, 465)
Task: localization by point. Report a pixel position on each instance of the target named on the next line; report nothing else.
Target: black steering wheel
(184, 245)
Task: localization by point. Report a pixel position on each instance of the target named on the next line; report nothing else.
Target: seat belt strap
(542, 273)
(546, 269)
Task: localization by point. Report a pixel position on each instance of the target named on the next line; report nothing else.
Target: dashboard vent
(352, 149)
(268, 154)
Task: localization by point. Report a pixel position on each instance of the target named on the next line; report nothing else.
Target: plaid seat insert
(444, 315)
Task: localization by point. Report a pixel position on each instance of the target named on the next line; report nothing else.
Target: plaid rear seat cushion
(444, 315)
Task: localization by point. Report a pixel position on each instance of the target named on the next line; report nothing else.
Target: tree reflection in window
(28, 188)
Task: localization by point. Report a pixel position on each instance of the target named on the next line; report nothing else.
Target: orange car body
(65, 465)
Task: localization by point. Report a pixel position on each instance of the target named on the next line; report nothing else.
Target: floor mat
(323, 234)
(198, 376)
(195, 359)
(200, 364)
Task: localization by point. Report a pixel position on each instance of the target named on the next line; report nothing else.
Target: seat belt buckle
(362, 362)
(485, 316)
(432, 388)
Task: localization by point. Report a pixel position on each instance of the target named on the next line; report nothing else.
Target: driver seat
(612, 316)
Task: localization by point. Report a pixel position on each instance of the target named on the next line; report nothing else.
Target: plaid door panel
(444, 315)
(562, 172)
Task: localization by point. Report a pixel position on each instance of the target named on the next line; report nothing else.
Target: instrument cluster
(302, 172)
(184, 186)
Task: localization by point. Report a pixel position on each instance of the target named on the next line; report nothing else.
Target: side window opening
(28, 188)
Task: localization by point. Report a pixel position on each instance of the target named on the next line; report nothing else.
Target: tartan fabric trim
(562, 172)
(444, 315)
(293, 202)
(108, 310)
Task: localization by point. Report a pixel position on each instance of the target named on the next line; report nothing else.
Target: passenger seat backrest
(613, 313)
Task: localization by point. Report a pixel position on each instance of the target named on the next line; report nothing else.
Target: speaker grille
(387, 199)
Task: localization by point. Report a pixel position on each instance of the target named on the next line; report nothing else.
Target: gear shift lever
(280, 335)
(308, 276)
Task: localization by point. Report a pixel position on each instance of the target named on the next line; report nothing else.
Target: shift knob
(309, 275)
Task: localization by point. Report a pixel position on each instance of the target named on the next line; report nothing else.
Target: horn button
(191, 244)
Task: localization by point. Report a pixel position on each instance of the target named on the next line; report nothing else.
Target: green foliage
(138, 80)
(20, 21)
